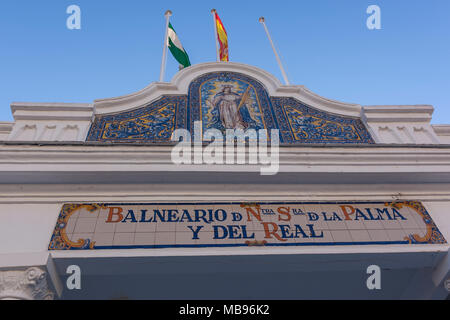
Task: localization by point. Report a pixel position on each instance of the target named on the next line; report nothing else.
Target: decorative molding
(24, 132)
(29, 284)
(49, 122)
(5, 130)
(52, 111)
(107, 193)
(6, 127)
(152, 164)
(443, 133)
(78, 116)
(180, 86)
(54, 130)
(255, 109)
(398, 113)
(404, 133)
(386, 134)
(84, 155)
(442, 130)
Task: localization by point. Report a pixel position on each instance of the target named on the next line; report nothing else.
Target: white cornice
(442, 130)
(5, 130)
(52, 111)
(133, 164)
(57, 193)
(398, 113)
(6, 127)
(181, 81)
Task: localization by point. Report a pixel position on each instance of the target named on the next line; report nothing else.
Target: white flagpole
(166, 40)
(263, 22)
(213, 11)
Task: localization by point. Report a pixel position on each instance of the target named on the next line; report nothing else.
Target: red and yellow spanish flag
(223, 39)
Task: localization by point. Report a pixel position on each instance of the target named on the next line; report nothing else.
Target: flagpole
(263, 22)
(213, 11)
(168, 14)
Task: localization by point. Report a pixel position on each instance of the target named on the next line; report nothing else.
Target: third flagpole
(168, 14)
(263, 22)
(213, 11)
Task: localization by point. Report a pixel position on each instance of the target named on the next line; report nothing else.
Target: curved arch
(179, 85)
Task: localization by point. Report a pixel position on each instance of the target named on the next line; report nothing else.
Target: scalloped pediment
(228, 100)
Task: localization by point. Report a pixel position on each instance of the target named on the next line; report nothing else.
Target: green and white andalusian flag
(177, 49)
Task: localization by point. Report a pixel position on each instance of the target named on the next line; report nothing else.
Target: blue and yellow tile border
(60, 240)
(433, 234)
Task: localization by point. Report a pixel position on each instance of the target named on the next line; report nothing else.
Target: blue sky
(325, 45)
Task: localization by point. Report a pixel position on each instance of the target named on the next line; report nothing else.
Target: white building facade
(94, 186)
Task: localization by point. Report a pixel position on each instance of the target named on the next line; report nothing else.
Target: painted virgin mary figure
(231, 109)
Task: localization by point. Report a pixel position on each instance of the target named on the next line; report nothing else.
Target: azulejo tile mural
(302, 124)
(237, 224)
(153, 123)
(227, 100)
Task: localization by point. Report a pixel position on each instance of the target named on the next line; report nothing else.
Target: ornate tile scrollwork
(60, 239)
(302, 124)
(433, 235)
(154, 123)
(228, 100)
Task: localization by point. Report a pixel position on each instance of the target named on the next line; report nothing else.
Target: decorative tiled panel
(153, 123)
(179, 225)
(302, 124)
(227, 100)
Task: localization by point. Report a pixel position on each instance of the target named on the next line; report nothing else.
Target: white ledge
(398, 113)
(442, 130)
(121, 164)
(52, 111)
(6, 127)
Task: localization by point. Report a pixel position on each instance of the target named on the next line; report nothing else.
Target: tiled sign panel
(171, 225)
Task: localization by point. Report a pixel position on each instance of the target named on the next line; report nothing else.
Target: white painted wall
(26, 228)
(440, 212)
